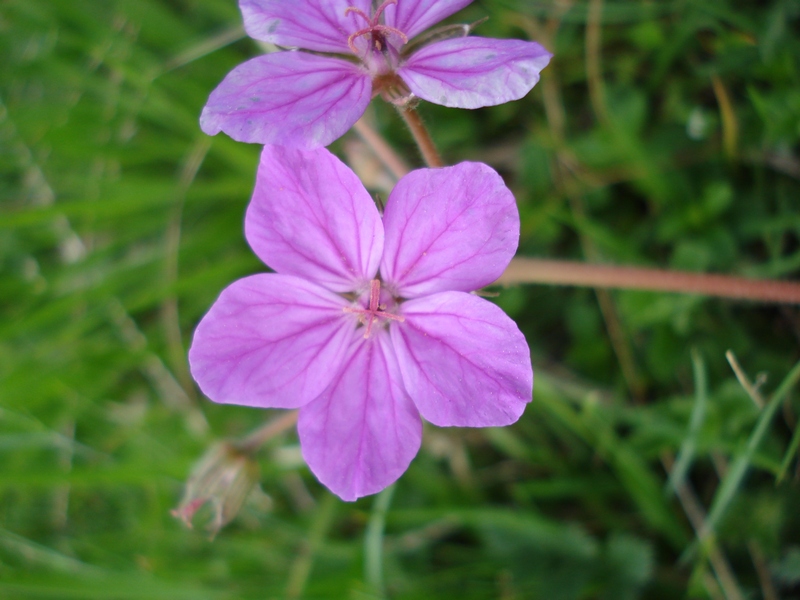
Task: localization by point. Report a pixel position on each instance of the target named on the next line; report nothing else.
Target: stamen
(368, 30)
(382, 8)
(353, 36)
(360, 13)
(391, 317)
(393, 30)
(368, 331)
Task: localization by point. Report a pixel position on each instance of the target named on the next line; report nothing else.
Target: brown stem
(730, 125)
(385, 153)
(254, 440)
(762, 570)
(594, 72)
(744, 381)
(697, 517)
(421, 136)
(562, 272)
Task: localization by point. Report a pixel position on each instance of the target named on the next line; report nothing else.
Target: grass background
(664, 133)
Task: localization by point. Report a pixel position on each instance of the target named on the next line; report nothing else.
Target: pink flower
(367, 322)
(309, 99)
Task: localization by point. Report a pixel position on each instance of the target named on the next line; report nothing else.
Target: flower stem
(421, 136)
(560, 272)
(255, 439)
(385, 153)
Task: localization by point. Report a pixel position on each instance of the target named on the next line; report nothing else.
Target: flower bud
(222, 478)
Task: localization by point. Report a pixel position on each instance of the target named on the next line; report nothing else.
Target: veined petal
(415, 16)
(270, 341)
(472, 72)
(455, 228)
(288, 98)
(320, 25)
(361, 434)
(310, 216)
(464, 362)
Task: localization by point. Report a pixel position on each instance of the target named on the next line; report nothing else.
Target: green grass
(671, 140)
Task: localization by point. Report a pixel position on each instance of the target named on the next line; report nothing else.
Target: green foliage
(674, 141)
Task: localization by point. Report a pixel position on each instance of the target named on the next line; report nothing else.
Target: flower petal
(361, 434)
(310, 216)
(415, 16)
(288, 98)
(472, 72)
(455, 228)
(320, 25)
(270, 341)
(464, 362)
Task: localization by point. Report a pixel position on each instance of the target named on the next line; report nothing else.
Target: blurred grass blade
(689, 445)
(301, 567)
(203, 48)
(47, 557)
(795, 443)
(730, 484)
(787, 460)
(373, 541)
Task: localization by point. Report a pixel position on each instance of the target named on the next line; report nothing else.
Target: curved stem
(561, 272)
(421, 136)
(255, 439)
(383, 151)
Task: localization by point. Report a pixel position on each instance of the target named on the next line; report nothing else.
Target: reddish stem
(274, 427)
(383, 151)
(560, 272)
(421, 136)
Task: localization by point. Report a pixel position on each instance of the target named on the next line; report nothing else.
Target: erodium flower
(347, 51)
(367, 322)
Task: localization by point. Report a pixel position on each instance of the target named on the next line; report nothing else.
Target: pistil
(375, 311)
(374, 28)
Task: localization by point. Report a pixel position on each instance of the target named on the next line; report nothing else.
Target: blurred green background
(664, 133)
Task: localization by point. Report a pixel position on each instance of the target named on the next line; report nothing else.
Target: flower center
(375, 311)
(376, 31)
